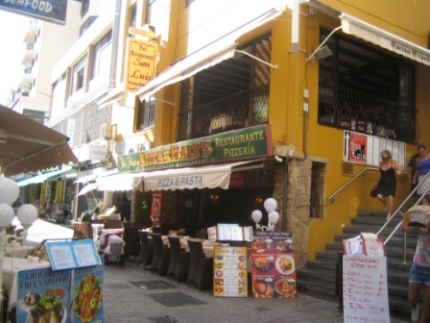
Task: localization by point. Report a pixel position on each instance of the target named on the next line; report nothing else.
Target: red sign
(357, 148)
(273, 268)
(237, 179)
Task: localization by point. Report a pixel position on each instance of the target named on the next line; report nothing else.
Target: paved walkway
(134, 295)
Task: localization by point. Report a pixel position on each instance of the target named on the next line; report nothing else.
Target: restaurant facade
(284, 99)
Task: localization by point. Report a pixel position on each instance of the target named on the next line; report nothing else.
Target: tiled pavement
(134, 295)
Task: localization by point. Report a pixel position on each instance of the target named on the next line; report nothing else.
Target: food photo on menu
(272, 266)
(43, 296)
(88, 295)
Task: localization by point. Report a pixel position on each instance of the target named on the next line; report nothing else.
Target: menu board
(230, 272)
(87, 293)
(43, 294)
(72, 254)
(365, 291)
(273, 268)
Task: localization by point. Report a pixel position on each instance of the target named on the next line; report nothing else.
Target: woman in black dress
(386, 188)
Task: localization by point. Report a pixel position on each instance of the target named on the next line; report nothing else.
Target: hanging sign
(49, 10)
(141, 64)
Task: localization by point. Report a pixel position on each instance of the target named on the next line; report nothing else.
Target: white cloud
(13, 28)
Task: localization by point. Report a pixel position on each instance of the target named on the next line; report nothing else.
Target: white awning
(120, 182)
(384, 39)
(95, 175)
(208, 56)
(87, 188)
(211, 176)
(43, 177)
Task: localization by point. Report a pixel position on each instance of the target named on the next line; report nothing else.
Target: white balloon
(273, 216)
(6, 215)
(270, 204)
(27, 214)
(256, 215)
(9, 191)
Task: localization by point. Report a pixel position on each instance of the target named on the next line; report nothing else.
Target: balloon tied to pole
(270, 205)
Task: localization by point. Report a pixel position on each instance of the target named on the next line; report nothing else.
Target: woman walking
(386, 188)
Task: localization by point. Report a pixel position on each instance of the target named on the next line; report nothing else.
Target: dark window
(78, 75)
(86, 25)
(85, 6)
(145, 113)
(365, 89)
(133, 12)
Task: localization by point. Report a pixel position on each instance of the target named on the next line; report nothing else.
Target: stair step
(319, 275)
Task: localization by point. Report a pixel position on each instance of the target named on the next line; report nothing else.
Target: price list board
(365, 290)
(230, 272)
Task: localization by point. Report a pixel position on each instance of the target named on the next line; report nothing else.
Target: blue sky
(12, 31)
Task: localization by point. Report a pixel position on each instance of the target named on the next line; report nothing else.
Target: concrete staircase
(319, 276)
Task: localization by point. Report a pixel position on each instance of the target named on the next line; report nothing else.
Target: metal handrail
(332, 197)
(399, 210)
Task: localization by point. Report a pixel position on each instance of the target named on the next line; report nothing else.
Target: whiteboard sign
(365, 290)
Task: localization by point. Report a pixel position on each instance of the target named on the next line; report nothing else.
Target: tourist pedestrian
(420, 177)
(412, 168)
(386, 187)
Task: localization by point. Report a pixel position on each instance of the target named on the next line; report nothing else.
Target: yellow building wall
(290, 124)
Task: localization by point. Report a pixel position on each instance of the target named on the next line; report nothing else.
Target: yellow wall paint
(286, 101)
(408, 19)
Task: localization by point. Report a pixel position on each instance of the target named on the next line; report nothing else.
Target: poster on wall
(43, 294)
(366, 149)
(272, 265)
(156, 207)
(87, 295)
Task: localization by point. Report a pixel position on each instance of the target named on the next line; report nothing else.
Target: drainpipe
(115, 41)
(284, 202)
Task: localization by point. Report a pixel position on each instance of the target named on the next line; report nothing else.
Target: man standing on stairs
(415, 221)
(412, 167)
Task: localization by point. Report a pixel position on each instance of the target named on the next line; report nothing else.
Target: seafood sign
(365, 289)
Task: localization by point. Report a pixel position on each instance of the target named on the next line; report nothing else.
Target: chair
(202, 234)
(161, 257)
(146, 250)
(179, 260)
(201, 267)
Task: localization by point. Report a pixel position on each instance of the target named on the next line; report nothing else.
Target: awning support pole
(322, 43)
(256, 58)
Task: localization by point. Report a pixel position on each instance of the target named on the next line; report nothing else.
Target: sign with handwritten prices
(365, 289)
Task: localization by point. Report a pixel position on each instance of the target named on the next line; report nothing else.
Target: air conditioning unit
(106, 131)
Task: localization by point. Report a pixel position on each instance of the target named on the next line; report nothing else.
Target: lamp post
(270, 205)
(27, 214)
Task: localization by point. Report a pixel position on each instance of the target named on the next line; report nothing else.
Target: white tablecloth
(11, 268)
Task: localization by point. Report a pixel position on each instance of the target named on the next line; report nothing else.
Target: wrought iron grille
(88, 121)
(347, 109)
(243, 109)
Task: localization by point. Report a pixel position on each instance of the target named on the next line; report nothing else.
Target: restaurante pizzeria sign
(229, 146)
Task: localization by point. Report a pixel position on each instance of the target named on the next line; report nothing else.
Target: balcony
(244, 109)
(29, 55)
(30, 36)
(356, 111)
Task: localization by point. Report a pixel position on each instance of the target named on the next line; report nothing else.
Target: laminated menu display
(43, 295)
(272, 265)
(230, 232)
(230, 272)
(367, 244)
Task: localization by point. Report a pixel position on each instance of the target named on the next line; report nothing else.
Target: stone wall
(298, 203)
